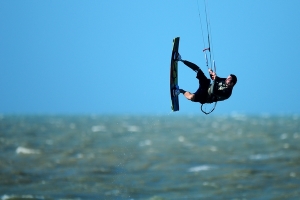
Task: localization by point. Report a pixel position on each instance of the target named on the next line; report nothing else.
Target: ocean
(140, 157)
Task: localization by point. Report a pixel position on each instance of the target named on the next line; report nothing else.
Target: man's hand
(212, 74)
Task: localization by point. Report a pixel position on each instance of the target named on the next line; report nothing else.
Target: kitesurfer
(219, 90)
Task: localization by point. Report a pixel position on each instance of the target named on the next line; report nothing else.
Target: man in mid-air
(219, 90)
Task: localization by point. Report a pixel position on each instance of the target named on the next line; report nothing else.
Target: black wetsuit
(202, 95)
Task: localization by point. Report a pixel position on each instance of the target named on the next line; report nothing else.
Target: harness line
(209, 48)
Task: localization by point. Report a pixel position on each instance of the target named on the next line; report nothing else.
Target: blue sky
(110, 57)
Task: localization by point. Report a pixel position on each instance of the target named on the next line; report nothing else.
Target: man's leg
(188, 95)
(191, 65)
(203, 80)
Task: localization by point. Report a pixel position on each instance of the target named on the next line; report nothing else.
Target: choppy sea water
(149, 157)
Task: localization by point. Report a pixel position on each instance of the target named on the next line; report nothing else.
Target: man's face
(228, 81)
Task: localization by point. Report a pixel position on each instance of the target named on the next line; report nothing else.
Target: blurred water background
(149, 157)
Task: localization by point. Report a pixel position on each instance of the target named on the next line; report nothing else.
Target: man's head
(231, 80)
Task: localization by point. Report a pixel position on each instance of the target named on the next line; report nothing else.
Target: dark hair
(234, 79)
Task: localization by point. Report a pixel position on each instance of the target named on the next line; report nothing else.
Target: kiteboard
(174, 75)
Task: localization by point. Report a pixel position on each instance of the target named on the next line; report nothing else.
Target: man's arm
(212, 74)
